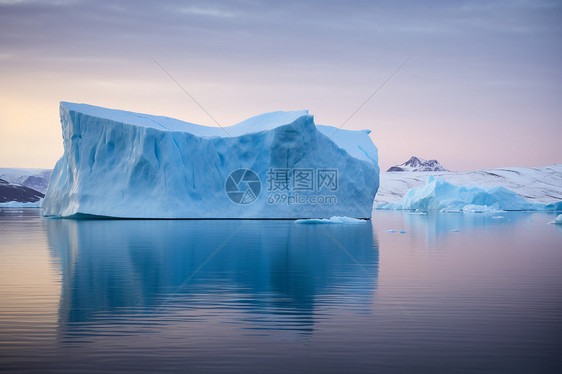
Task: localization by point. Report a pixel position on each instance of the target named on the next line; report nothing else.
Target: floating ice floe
(473, 208)
(417, 213)
(17, 204)
(399, 231)
(275, 165)
(558, 220)
(332, 220)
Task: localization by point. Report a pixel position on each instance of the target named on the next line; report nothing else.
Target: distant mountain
(37, 179)
(19, 193)
(418, 164)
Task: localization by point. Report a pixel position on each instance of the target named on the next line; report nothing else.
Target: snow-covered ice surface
(537, 185)
(131, 165)
(332, 220)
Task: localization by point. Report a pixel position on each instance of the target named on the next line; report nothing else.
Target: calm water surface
(450, 293)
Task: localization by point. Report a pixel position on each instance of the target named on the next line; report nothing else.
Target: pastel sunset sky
(482, 87)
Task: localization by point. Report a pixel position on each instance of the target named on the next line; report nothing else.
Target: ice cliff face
(276, 165)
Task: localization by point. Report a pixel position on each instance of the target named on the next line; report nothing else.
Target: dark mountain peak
(418, 164)
(19, 193)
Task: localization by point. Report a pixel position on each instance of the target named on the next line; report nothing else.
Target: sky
(481, 88)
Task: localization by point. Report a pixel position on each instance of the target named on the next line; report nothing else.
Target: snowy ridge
(37, 179)
(131, 165)
(418, 164)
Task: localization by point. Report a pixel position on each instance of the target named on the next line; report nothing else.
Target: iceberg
(278, 165)
(556, 206)
(438, 194)
(332, 220)
(558, 220)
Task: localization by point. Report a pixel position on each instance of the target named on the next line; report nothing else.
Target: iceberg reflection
(436, 226)
(264, 275)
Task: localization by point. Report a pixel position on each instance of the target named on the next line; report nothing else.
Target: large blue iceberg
(275, 165)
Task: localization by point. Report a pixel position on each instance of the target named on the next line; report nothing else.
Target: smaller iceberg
(555, 207)
(558, 220)
(438, 194)
(332, 220)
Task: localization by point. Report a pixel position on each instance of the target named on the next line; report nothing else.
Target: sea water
(401, 293)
